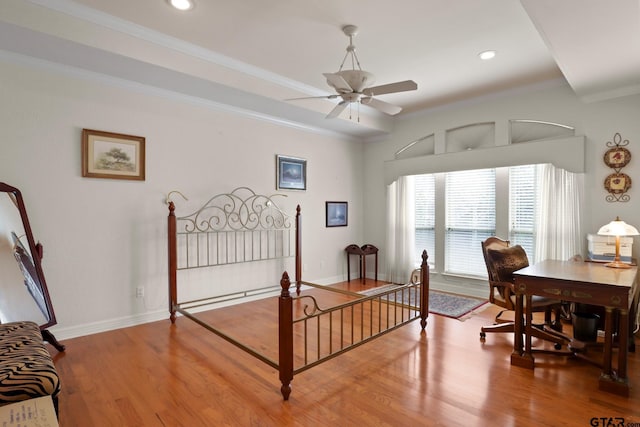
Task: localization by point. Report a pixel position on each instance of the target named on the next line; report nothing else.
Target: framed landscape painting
(337, 214)
(112, 155)
(291, 173)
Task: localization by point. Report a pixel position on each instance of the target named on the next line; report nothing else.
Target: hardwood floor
(160, 374)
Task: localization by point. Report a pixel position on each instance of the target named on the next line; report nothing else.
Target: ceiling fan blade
(391, 88)
(337, 82)
(337, 110)
(334, 96)
(385, 107)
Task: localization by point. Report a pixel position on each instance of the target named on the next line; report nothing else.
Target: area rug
(442, 303)
(454, 306)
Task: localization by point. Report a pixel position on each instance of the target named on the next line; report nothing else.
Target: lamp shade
(618, 228)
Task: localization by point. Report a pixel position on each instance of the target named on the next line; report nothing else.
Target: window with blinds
(470, 219)
(469, 199)
(425, 197)
(522, 207)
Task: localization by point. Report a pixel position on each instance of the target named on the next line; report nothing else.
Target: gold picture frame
(112, 155)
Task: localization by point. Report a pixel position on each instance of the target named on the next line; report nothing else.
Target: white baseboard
(62, 333)
(474, 288)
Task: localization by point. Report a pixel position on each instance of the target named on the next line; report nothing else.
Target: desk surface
(581, 272)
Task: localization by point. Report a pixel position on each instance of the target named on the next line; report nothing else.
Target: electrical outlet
(139, 292)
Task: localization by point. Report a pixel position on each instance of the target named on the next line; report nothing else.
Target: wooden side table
(362, 253)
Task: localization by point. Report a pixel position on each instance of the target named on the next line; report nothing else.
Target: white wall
(553, 102)
(104, 238)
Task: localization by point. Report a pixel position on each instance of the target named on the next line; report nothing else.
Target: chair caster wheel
(482, 336)
(557, 346)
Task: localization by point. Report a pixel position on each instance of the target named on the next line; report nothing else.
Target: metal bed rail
(322, 334)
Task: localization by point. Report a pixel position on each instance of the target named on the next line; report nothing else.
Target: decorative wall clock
(617, 157)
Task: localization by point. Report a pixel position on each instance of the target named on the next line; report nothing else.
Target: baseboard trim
(479, 290)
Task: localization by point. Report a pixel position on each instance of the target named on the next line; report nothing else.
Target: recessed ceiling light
(182, 4)
(487, 54)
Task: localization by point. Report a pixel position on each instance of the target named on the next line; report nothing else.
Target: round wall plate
(617, 183)
(617, 157)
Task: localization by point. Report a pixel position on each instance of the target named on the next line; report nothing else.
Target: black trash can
(585, 326)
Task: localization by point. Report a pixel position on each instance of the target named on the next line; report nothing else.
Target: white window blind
(470, 219)
(522, 209)
(425, 216)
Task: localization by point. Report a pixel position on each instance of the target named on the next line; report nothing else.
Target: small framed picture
(112, 155)
(291, 173)
(337, 214)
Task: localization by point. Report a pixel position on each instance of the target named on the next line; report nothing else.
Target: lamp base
(617, 264)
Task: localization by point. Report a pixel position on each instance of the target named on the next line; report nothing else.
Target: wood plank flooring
(160, 374)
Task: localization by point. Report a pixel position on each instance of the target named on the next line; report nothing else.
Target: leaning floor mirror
(23, 289)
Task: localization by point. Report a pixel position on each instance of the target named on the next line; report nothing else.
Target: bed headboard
(236, 227)
(231, 228)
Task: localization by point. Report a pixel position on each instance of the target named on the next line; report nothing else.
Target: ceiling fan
(354, 85)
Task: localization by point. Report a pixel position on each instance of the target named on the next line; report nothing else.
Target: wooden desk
(585, 282)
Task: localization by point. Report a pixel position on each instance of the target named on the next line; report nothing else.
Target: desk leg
(517, 338)
(528, 325)
(607, 370)
(348, 268)
(363, 271)
(615, 382)
(518, 357)
(624, 345)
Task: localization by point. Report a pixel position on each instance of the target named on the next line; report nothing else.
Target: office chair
(501, 261)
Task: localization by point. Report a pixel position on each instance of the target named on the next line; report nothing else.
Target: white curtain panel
(558, 226)
(401, 257)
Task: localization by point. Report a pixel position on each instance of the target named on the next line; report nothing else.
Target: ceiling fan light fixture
(182, 5)
(354, 86)
(357, 79)
(487, 54)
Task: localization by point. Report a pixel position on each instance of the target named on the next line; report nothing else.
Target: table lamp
(617, 228)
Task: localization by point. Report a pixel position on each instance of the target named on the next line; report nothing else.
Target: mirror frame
(35, 249)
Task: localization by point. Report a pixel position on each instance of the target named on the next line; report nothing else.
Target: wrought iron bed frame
(243, 226)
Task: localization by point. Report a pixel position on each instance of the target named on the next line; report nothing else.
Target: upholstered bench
(26, 367)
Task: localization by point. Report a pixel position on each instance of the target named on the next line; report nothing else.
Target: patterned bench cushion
(26, 368)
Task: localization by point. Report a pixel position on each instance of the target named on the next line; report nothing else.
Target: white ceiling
(251, 55)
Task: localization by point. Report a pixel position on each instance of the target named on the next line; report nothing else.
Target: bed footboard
(358, 322)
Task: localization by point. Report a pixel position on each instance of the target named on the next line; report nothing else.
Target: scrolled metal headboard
(240, 226)
(240, 210)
